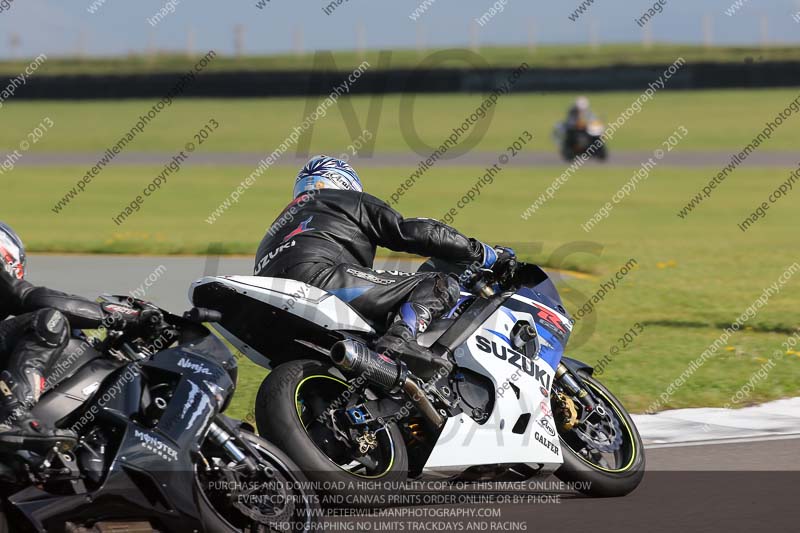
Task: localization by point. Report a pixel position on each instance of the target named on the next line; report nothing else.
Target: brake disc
(268, 503)
(604, 436)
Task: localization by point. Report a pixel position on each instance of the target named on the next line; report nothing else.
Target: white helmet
(582, 103)
(12, 252)
(324, 172)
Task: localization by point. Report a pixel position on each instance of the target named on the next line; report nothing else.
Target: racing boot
(23, 383)
(400, 342)
(19, 430)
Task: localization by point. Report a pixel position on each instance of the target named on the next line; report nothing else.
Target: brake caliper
(566, 412)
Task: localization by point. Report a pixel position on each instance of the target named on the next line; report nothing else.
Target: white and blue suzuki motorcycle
(500, 401)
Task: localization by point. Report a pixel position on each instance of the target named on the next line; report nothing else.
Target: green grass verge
(543, 56)
(694, 276)
(716, 120)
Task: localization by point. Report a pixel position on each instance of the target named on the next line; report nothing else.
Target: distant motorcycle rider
(32, 339)
(333, 248)
(578, 118)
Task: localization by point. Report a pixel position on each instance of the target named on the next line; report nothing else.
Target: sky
(119, 27)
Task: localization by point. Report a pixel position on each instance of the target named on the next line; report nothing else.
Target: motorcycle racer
(32, 339)
(578, 116)
(333, 248)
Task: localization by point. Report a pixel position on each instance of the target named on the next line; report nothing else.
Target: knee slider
(50, 327)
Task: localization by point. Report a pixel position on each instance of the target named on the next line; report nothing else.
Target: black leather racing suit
(327, 238)
(33, 338)
(575, 123)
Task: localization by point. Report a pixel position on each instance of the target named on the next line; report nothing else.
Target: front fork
(225, 440)
(573, 385)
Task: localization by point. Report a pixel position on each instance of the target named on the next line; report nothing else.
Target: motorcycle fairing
(263, 317)
(521, 414)
(521, 420)
(298, 298)
(151, 473)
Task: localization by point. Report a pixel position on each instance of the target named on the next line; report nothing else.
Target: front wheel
(272, 497)
(603, 456)
(602, 153)
(300, 406)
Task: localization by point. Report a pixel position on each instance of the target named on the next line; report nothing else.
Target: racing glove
(123, 318)
(496, 255)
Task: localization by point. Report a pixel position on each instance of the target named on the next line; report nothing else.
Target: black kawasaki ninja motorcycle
(154, 451)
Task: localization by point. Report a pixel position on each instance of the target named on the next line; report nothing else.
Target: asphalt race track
(734, 486)
(731, 487)
(473, 158)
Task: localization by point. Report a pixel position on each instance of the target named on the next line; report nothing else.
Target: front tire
(602, 153)
(595, 474)
(289, 406)
(276, 498)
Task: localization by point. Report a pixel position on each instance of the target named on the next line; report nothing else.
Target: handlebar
(487, 281)
(135, 338)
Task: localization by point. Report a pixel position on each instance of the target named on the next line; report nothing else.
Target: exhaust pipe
(422, 402)
(383, 371)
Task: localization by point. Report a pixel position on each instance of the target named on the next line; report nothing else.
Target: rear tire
(594, 480)
(279, 419)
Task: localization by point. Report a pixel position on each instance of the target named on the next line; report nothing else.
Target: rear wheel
(294, 409)
(604, 455)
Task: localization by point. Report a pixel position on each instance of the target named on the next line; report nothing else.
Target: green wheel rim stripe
(300, 417)
(299, 385)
